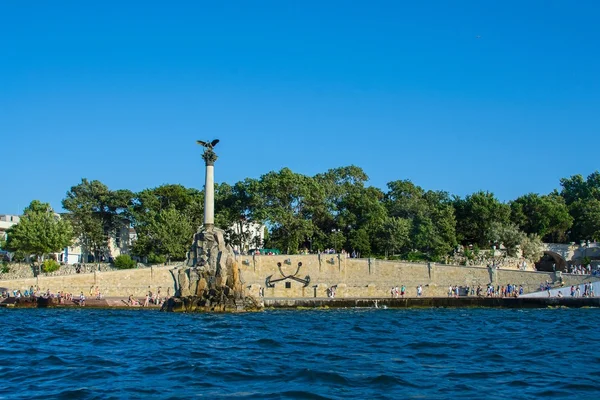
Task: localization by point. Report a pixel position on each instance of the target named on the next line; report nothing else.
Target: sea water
(322, 354)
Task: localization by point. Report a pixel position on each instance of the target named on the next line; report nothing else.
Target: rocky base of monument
(203, 291)
(211, 302)
(211, 281)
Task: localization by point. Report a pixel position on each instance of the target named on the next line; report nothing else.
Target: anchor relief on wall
(269, 282)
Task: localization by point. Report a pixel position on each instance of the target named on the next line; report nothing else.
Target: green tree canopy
(238, 210)
(431, 214)
(168, 234)
(546, 216)
(576, 188)
(586, 215)
(531, 246)
(393, 235)
(348, 213)
(360, 242)
(39, 232)
(334, 209)
(475, 215)
(165, 219)
(583, 199)
(507, 234)
(96, 213)
(288, 202)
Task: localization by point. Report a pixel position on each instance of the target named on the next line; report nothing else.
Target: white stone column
(209, 196)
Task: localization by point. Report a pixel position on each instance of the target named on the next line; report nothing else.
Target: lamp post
(334, 240)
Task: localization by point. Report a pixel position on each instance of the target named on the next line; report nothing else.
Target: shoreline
(325, 303)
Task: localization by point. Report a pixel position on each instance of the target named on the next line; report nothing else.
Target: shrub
(469, 254)
(416, 256)
(435, 258)
(5, 269)
(50, 266)
(124, 261)
(156, 259)
(531, 246)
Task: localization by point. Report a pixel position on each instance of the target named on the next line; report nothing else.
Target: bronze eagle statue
(208, 145)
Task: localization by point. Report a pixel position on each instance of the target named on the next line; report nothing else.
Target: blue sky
(501, 96)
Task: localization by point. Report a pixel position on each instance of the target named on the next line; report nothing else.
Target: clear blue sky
(502, 96)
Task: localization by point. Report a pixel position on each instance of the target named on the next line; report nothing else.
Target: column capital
(209, 157)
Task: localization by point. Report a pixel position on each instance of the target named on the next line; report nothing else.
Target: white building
(6, 221)
(252, 236)
(70, 255)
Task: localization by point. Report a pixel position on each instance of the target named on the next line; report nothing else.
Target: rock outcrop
(210, 281)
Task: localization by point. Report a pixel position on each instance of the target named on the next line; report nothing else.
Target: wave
(324, 355)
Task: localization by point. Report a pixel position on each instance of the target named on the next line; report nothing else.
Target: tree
(362, 209)
(288, 202)
(507, 234)
(531, 246)
(172, 233)
(165, 219)
(360, 242)
(433, 231)
(586, 217)
(169, 233)
(239, 212)
(149, 202)
(546, 216)
(39, 232)
(96, 214)
(576, 188)
(475, 215)
(393, 235)
(337, 240)
(583, 199)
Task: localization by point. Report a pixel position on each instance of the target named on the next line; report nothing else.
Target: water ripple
(319, 354)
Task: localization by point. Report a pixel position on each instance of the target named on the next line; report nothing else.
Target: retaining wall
(352, 278)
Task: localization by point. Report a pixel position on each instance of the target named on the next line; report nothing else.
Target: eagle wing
(200, 142)
(214, 142)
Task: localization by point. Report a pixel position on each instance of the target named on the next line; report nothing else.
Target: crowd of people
(32, 293)
(63, 297)
(509, 290)
(400, 292)
(581, 269)
(588, 290)
(150, 298)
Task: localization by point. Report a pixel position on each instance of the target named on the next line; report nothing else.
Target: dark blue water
(102, 354)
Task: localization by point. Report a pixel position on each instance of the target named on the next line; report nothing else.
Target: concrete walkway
(565, 291)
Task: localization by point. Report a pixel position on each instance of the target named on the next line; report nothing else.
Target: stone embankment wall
(23, 271)
(120, 283)
(351, 277)
(375, 278)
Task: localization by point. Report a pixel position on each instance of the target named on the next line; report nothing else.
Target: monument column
(209, 158)
(211, 281)
(209, 195)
